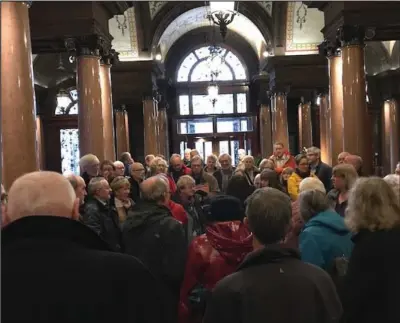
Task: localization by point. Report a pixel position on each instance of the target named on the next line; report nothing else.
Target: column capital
(351, 35)
(120, 108)
(109, 56)
(91, 45)
(279, 90)
(329, 49)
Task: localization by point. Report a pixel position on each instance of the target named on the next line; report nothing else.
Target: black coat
(103, 219)
(324, 173)
(135, 193)
(57, 270)
(274, 285)
(151, 234)
(372, 285)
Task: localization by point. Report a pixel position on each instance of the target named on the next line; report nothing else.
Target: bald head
(355, 161)
(155, 189)
(119, 168)
(341, 157)
(42, 193)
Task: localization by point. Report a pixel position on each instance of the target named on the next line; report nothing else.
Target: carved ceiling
(155, 7)
(197, 18)
(267, 6)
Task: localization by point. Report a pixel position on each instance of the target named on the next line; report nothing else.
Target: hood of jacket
(232, 240)
(328, 219)
(145, 213)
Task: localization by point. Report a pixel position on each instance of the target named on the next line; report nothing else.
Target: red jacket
(178, 212)
(211, 257)
(287, 160)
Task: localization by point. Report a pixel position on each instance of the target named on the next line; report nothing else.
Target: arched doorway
(218, 124)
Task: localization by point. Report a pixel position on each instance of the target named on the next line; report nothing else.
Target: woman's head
(312, 202)
(158, 166)
(107, 169)
(372, 205)
(239, 187)
(121, 188)
(225, 208)
(286, 173)
(302, 163)
(212, 161)
(185, 185)
(248, 162)
(269, 178)
(267, 164)
(394, 182)
(344, 177)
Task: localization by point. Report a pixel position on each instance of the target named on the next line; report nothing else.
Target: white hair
(311, 183)
(40, 193)
(394, 181)
(87, 160)
(95, 184)
(118, 163)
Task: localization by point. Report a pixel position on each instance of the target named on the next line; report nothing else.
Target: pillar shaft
(163, 132)
(325, 129)
(106, 102)
(305, 126)
(390, 119)
(18, 110)
(280, 132)
(266, 130)
(336, 105)
(91, 123)
(355, 105)
(150, 116)
(126, 121)
(121, 132)
(40, 142)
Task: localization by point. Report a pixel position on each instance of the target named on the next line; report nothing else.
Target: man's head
(156, 189)
(355, 161)
(42, 193)
(137, 172)
(397, 170)
(225, 161)
(279, 149)
(126, 158)
(193, 153)
(148, 159)
(341, 157)
(268, 213)
(196, 164)
(186, 185)
(89, 164)
(313, 155)
(99, 188)
(176, 162)
(79, 186)
(119, 168)
(107, 170)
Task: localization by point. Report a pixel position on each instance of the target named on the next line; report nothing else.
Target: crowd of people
(187, 240)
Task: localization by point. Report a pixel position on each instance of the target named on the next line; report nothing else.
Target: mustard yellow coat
(293, 185)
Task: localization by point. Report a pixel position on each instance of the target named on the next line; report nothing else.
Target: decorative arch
(195, 15)
(194, 67)
(377, 58)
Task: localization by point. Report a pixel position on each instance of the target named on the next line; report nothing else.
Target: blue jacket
(324, 238)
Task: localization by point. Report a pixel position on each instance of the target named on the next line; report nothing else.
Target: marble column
(90, 121)
(150, 119)
(121, 131)
(355, 111)
(280, 132)
(18, 110)
(390, 119)
(325, 129)
(335, 104)
(163, 132)
(126, 121)
(305, 125)
(266, 130)
(106, 101)
(40, 143)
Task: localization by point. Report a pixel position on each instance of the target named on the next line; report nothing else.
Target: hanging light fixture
(213, 92)
(222, 14)
(215, 60)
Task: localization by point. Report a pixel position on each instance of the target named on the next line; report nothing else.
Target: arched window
(67, 103)
(195, 68)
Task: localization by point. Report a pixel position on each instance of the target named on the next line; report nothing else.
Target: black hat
(225, 208)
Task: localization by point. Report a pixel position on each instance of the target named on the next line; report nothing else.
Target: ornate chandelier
(222, 14)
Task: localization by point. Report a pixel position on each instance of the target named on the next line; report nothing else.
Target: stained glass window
(183, 105)
(195, 126)
(234, 124)
(64, 103)
(69, 141)
(201, 72)
(201, 104)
